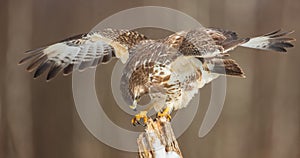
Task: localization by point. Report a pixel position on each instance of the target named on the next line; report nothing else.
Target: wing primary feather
(68, 69)
(277, 48)
(42, 68)
(35, 50)
(281, 34)
(273, 41)
(81, 51)
(106, 58)
(54, 70)
(286, 39)
(36, 62)
(283, 44)
(272, 33)
(32, 56)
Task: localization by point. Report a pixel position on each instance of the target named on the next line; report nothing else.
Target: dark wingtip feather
(277, 48)
(105, 59)
(279, 43)
(42, 68)
(34, 64)
(281, 34)
(22, 61)
(284, 44)
(272, 33)
(68, 70)
(54, 70)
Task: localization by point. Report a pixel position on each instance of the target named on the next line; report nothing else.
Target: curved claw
(140, 119)
(165, 114)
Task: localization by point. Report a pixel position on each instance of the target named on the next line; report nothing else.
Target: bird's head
(138, 92)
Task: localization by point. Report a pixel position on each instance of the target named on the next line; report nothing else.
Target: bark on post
(158, 140)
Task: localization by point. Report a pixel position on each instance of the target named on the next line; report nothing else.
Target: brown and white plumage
(274, 41)
(170, 70)
(82, 51)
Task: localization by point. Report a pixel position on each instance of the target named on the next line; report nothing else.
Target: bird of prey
(169, 70)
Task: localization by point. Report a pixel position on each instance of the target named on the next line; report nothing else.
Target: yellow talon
(165, 114)
(140, 119)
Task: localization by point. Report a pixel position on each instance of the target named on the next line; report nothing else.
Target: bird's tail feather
(274, 41)
(222, 66)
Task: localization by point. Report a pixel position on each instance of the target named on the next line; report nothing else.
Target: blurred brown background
(261, 116)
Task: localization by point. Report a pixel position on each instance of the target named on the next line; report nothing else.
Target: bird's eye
(144, 100)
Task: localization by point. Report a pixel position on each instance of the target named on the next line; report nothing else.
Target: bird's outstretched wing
(208, 42)
(211, 42)
(82, 51)
(274, 41)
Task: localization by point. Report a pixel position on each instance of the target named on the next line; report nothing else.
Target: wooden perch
(158, 140)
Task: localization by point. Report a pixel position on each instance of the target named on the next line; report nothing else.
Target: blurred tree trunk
(3, 47)
(285, 135)
(263, 68)
(239, 17)
(18, 121)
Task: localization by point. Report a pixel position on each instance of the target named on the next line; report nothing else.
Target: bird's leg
(165, 113)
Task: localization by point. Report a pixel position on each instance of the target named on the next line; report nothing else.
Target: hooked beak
(133, 106)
